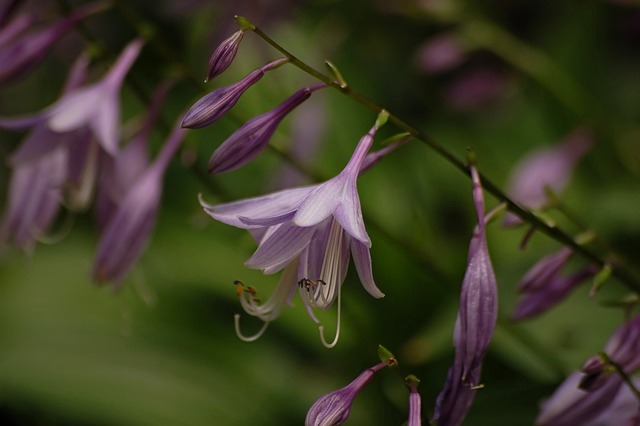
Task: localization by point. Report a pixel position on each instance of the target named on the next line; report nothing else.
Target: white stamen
(321, 328)
(236, 320)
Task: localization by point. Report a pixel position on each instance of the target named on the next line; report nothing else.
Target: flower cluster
(72, 151)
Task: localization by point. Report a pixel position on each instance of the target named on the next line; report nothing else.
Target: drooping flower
(334, 408)
(35, 197)
(214, 105)
(95, 107)
(597, 395)
(127, 231)
(318, 226)
(622, 349)
(548, 168)
(20, 53)
(544, 286)
(250, 139)
(474, 325)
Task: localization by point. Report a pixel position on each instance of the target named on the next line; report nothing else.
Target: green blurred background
(162, 349)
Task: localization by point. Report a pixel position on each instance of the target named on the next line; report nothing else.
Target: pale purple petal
(362, 260)
(280, 248)
(320, 203)
(267, 206)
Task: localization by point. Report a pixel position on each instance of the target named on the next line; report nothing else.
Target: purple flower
(543, 286)
(475, 89)
(20, 54)
(35, 197)
(250, 139)
(333, 408)
(214, 105)
(224, 55)
(570, 406)
(415, 405)
(474, 325)
(623, 349)
(546, 168)
(441, 53)
(594, 396)
(128, 229)
(315, 228)
(96, 107)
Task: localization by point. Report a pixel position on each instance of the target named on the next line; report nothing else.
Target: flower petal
(280, 248)
(362, 260)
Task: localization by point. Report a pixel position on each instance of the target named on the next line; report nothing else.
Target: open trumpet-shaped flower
(319, 226)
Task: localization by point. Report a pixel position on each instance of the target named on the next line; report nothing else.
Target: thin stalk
(552, 231)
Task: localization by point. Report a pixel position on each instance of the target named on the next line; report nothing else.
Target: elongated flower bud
(333, 408)
(224, 55)
(250, 139)
(214, 105)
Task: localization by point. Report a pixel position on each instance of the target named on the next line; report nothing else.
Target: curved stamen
(249, 339)
(321, 327)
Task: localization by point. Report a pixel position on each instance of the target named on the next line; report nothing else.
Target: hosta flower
(128, 229)
(318, 226)
(334, 408)
(544, 286)
(254, 135)
(214, 105)
(548, 168)
(474, 325)
(35, 198)
(95, 107)
(597, 395)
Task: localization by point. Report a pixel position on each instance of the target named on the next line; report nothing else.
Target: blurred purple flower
(570, 406)
(7, 10)
(315, 227)
(474, 325)
(128, 229)
(131, 162)
(623, 349)
(596, 396)
(546, 168)
(475, 89)
(20, 53)
(96, 107)
(440, 53)
(214, 105)
(334, 408)
(250, 139)
(35, 196)
(224, 55)
(543, 286)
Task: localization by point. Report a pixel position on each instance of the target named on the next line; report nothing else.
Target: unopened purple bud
(214, 105)
(224, 55)
(474, 326)
(333, 408)
(415, 406)
(250, 139)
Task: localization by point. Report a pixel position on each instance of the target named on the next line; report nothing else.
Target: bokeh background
(162, 349)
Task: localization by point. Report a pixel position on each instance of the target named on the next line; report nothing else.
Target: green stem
(552, 231)
(620, 371)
